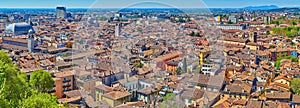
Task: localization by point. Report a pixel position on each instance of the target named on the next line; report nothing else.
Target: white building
(233, 19)
(230, 27)
(211, 69)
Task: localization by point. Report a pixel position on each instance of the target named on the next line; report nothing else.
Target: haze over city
(124, 3)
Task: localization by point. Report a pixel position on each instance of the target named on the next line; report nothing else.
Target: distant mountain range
(285, 9)
(266, 7)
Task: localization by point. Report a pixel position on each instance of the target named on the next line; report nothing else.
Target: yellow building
(237, 96)
(148, 52)
(102, 89)
(172, 65)
(283, 79)
(253, 36)
(202, 54)
(233, 41)
(147, 94)
(171, 68)
(252, 46)
(116, 98)
(236, 91)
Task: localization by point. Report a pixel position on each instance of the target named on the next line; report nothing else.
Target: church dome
(19, 28)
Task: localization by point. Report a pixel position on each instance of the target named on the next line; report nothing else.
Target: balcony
(66, 80)
(51, 91)
(67, 89)
(66, 85)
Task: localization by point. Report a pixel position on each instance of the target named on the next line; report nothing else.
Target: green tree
(293, 59)
(181, 20)
(5, 58)
(40, 100)
(293, 43)
(192, 33)
(13, 82)
(188, 20)
(275, 22)
(138, 64)
(272, 46)
(295, 85)
(41, 81)
(178, 71)
(291, 34)
(197, 34)
(282, 17)
(291, 31)
(4, 103)
(169, 101)
(268, 32)
(15, 90)
(31, 23)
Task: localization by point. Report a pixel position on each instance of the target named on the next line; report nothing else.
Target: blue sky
(126, 3)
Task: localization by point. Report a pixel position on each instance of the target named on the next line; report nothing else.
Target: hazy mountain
(266, 7)
(285, 9)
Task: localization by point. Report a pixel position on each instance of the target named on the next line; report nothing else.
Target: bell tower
(117, 29)
(30, 43)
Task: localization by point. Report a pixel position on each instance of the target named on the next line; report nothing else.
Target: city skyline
(128, 3)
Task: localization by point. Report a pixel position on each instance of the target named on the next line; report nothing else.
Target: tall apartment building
(61, 12)
(64, 81)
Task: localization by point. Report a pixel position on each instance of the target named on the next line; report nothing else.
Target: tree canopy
(282, 20)
(169, 101)
(293, 59)
(41, 100)
(14, 86)
(41, 81)
(178, 71)
(13, 83)
(295, 85)
(291, 31)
